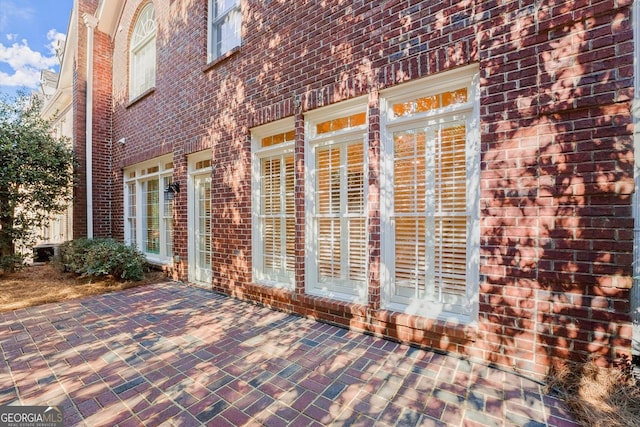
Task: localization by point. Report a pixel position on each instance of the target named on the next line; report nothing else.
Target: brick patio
(173, 354)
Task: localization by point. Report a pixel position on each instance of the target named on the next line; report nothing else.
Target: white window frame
(344, 290)
(439, 306)
(142, 53)
(284, 279)
(162, 175)
(215, 22)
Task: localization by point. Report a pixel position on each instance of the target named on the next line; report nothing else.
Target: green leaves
(103, 257)
(36, 171)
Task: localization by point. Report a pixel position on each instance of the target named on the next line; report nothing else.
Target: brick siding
(556, 151)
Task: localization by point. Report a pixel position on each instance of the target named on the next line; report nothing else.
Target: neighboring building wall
(60, 227)
(556, 170)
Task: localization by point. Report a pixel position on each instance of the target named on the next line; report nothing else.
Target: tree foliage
(36, 173)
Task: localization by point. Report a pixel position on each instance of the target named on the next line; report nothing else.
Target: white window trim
(464, 77)
(134, 68)
(214, 22)
(259, 153)
(312, 141)
(162, 258)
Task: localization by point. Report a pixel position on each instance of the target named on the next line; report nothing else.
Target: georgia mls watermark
(30, 416)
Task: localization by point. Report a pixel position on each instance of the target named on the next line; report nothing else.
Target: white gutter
(91, 22)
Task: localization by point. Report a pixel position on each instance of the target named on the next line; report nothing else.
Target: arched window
(143, 53)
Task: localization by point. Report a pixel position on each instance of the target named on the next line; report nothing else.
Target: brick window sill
(140, 97)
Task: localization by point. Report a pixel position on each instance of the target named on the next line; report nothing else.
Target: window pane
(430, 103)
(355, 179)
(143, 52)
(167, 219)
(430, 211)
(357, 267)
(152, 217)
(225, 26)
(277, 213)
(204, 223)
(228, 33)
(328, 182)
(222, 6)
(450, 261)
(452, 172)
(131, 214)
(341, 223)
(328, 249)
(290, 220)
(409, 171)
(145, 26)
(410, 255)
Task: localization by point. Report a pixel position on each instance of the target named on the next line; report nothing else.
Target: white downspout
(91, 22)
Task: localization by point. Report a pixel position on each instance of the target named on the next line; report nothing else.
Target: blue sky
(30, 30)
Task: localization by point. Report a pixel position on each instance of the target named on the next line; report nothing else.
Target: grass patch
(43, 284)
(599, 396)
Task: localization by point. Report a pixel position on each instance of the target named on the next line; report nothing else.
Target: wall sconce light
(171, 190)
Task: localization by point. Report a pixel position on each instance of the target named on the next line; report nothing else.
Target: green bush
(73, 254)
(102, 257)
(11, 263)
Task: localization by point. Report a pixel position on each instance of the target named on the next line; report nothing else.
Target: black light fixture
(171, 190)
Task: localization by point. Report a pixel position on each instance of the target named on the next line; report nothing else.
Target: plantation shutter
(410, 219)
(167, 219)
(289, 211)
(151, 209)
(341, 225)
(270, 205)
(450, 210)
(204, 246)
(328, 169)
(278, 215)
(355, 213)
(430, 211)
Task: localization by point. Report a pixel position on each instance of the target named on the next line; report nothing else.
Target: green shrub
(103, 257)
(11, 263)
(73, 254)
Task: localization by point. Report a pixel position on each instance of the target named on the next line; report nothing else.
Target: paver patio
(173, 354)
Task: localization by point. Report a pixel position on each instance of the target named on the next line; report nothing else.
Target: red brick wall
(104, 176)
(556, 149)
(101, 132)
(557, 180)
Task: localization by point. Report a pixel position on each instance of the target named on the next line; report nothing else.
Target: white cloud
(56, 41)
(20, 78)
(26, 63)
(20, 64)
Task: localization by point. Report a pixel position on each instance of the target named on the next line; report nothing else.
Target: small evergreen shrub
(11, 263)
(73, 254)
(103, 257)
